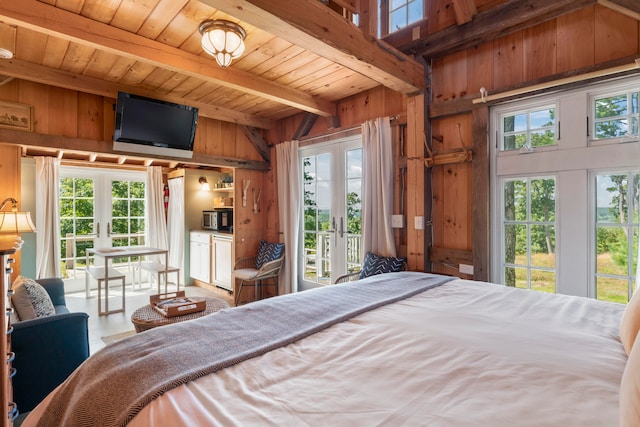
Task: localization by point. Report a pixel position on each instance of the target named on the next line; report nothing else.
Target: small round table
(146, 317)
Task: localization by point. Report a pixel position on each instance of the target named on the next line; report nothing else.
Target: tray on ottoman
(176, 304)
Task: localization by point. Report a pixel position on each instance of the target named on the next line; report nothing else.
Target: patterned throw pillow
(376, 264)
(268, 252)
(30, 299)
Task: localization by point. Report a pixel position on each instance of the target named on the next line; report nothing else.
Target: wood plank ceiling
(153, 48)
(301, 55)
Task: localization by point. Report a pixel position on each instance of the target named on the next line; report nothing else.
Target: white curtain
(175, 224)
(156, 223)
(377, 192)
(47, 217)
(288, 181)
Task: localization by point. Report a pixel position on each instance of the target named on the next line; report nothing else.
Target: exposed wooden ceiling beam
(626, 7)
(511, 16)
(57, 22)
(261, 146)
(65, 79)
(315, 27)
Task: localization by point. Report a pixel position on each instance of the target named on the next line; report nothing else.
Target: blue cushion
(268, 252)
(376, 264)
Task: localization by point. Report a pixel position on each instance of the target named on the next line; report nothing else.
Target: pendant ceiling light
(223, 40)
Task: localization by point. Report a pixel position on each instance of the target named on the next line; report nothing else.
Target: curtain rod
(554, 83)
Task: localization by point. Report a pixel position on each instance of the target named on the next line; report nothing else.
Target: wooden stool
(158, 271)
(98, 273)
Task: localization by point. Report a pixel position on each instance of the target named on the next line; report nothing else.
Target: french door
(332, 210)
(98, 208)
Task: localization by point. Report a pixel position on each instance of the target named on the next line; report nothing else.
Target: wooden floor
(116, 323)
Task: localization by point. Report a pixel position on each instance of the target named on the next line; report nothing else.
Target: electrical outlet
(466, 269)
(418, 223)
(397, 221)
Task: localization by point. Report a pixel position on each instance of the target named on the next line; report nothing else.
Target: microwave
(220, 220)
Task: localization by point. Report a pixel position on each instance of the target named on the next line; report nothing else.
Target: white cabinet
(211, 258)
(200, 256)
(222, 261)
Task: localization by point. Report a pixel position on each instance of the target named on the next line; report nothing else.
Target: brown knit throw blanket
(114, 384)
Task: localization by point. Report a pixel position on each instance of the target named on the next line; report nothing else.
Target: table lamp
(13, 223)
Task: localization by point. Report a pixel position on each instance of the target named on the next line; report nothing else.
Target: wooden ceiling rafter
(60, 23)
(504, 19)
(317, 28)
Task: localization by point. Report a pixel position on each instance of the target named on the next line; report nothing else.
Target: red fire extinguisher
(166, 196)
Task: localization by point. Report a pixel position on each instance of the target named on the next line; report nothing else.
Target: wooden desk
(110, 254)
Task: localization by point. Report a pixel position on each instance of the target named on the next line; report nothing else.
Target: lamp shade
(16, 222)
(223, 40)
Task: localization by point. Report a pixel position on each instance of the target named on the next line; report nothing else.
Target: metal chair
(244, 269)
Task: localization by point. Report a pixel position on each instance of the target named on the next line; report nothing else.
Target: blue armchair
(47, 349)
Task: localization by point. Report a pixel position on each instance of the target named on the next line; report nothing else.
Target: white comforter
(463, 354)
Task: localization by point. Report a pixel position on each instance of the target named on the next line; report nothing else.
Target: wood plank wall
(75, 114)
(589, 37)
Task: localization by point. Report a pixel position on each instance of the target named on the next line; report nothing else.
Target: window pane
(415, 11)
(354, 163)
(66, 187)
(84, 226)
(137, 190)
(516, 244)
(543, 138)
(543, 200)
(521, 278)
(137, 208)
(609, 289)
(310, 193)
(544, 281)
(309, 168)
(611, 107)
(611, 193)
(515, 200)
(611, 251)
(517, 123)
(398, 19)
(611, 128)
(543, 242)
(120, 208)
(310, 219)
(120, 189)
(120, 226)
(324, 167)
(84, 188)
(542, 118)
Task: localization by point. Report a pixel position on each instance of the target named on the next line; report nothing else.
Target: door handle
(108, 229)
(341, 227)
(98, 229)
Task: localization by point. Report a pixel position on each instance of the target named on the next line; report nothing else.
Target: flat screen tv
(153, 127)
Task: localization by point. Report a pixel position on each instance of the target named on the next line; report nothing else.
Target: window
(529, 233)
(397, 14)
(566, 204)
(528, 129)
(617, 207)
(615, 116)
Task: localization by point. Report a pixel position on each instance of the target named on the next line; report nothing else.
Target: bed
(426, 350)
